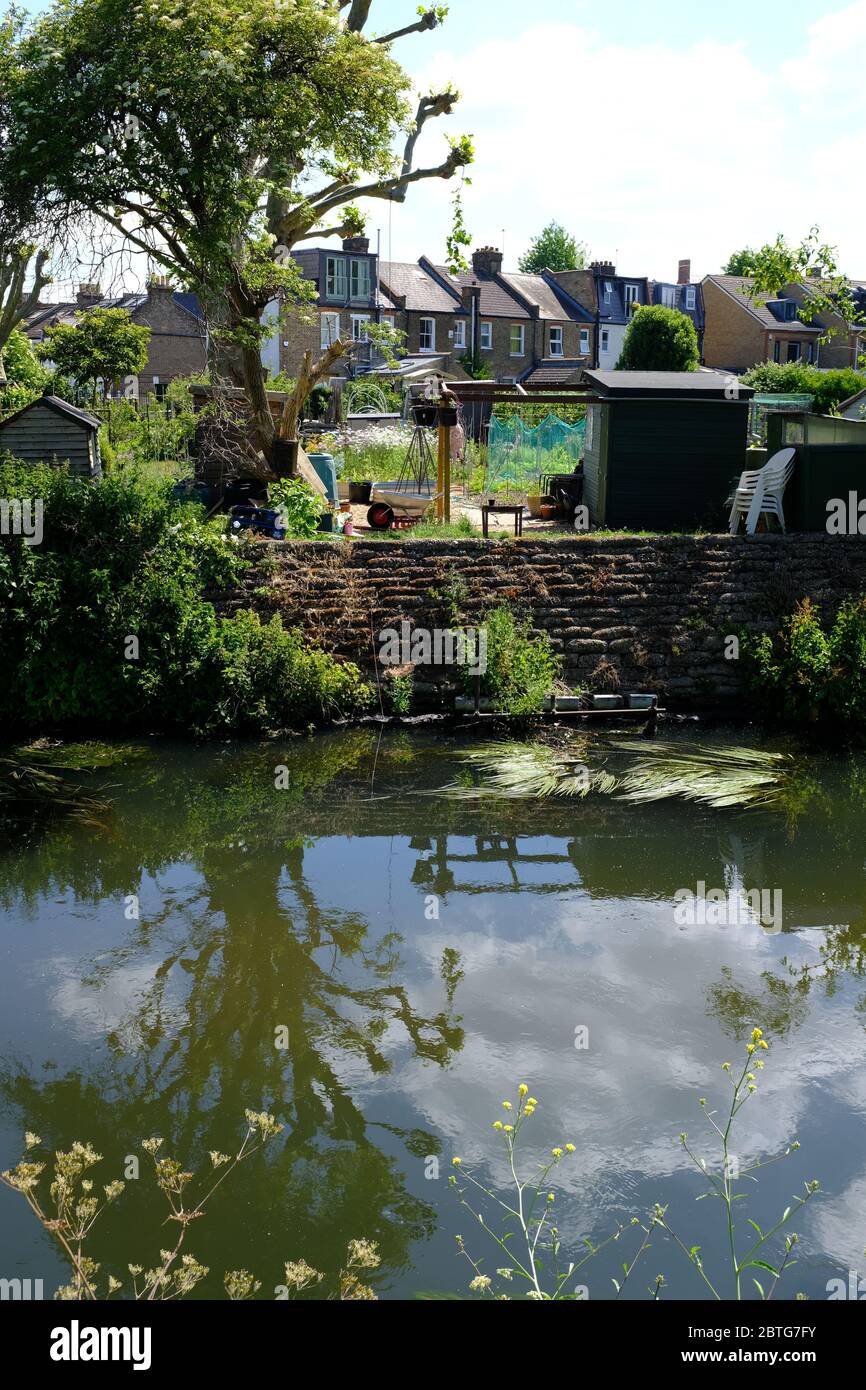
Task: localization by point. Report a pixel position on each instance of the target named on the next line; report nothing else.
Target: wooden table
(515, 511)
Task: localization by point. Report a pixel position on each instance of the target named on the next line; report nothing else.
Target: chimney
(89, 293)
(603, 268)
(684, 274)
(159, 284)
(358, 245)
(487, 260)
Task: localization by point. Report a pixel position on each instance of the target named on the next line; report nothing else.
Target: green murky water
(422, 955)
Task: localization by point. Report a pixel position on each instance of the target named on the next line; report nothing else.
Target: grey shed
(53, 431)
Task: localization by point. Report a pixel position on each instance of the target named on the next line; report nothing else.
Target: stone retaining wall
(630, 613)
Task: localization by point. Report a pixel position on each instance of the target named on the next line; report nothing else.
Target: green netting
(519, 455)
(763, 405)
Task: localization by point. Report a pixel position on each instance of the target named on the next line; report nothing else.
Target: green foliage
(521, 668)
(812, 262)
(740, 262)
(102, 343)
(106, 624)
(659, 339)
(553, 249)
(476, 367)
(811, 673)
(827, 388)
(300, 505)
(20, 364)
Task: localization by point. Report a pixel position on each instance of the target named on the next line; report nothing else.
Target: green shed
(50, 430)
(663, 449)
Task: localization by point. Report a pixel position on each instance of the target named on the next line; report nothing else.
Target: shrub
(809, 673)
(659, 339)
(827, 388)
(521, 668)
(301, 507)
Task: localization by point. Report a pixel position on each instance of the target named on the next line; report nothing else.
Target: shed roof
(689, 385)
(60, 408)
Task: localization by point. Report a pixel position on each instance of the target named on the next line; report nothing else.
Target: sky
(652, 131)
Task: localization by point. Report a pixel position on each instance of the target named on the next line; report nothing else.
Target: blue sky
(652, 131)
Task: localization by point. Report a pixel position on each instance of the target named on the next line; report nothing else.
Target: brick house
(429, 310)
(744, 327)
(612, 298)
(178, 336)
(845, 342)
(348, 298)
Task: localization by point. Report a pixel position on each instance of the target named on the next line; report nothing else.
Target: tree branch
(429, 20)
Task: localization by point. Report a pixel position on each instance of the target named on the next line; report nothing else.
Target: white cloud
(650, 152)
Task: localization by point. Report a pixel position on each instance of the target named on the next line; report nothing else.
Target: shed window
(556, 342)
(427, 335)
(517, 337)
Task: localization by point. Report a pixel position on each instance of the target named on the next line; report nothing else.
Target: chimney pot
(603, 267)
(487, 260)
(89, 292)
(360, 245)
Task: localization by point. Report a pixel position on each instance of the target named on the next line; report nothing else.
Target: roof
(497, 299)
(579, 284)
(68, 310)
(741, 288)
(697, 385)
(559, 374)
(423, 292)
(859, 398)
(60, 407)
(552, 302)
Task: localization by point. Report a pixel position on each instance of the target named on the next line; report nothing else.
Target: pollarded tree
(659, 340)
(103, 345)
(554, 249)
(218, 134)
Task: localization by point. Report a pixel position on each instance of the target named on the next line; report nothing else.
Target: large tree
(554, 249)
(659, 340)
(216, 135)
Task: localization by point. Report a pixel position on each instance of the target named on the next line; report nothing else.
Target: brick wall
(732, 337)
(176, 347)
(646, 614)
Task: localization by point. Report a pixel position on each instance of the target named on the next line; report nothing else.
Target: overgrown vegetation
(108, 623)
(827, 388)
(812, 672)
(520, 667)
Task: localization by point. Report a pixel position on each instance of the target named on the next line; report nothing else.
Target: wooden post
(443, 470)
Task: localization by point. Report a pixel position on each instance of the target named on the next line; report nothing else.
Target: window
(486, 337)
(669, 296)
(810, 352)
(359, 327)
(584, 340)
(329, 325)
(605, 339)
(631, 296)
(427, 335)
(336, 283)
(608, 291)
(460, 333)
(518, 334)
(159, 389)
(794, 351)
(691, 297)
(777, 351)
(360, 279)
(556, 342)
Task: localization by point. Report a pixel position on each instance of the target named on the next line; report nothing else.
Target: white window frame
(557, 343)
(691, 297)
(799, 347)
(485, 332)
(431, 334)
(669, 296)
(358, 269)
(631, 295)
(608, 291)
(584, 340)
(521, 329)
(460, 333)
(359, 328)
(336, 275)
(605, 339)
(329, 329)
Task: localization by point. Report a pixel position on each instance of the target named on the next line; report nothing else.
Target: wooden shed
(663, 449)
(50, 430)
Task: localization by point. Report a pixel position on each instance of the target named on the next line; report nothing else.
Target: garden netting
(519, 455)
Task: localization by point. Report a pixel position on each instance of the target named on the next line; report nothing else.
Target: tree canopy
(553, 249)
(659, 340)
(811, 263)
(104, 343)
(218, 134)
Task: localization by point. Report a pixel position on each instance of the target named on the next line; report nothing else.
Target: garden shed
(663, 449)
(50, 430)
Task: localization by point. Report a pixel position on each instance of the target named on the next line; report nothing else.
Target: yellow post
(443, 470)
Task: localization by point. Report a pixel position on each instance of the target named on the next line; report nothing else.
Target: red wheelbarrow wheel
(380, 516)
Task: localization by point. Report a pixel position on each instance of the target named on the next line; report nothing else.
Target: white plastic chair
(761, 492)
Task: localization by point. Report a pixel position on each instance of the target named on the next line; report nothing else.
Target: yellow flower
(750, 1047)
(551, 1196)
(497, 1124)
(457, 1162)
(569, 1148)
(507, 1129)
(530, 1110)
(765, 1046)
(523, 1089)
(532, 1101)
(753, 1088)
(726, 1066)
(506, 1105)
(557, 1153)
(756, 1033)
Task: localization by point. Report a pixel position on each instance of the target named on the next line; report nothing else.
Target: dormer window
(336, 281)
(690, 296)
(631, 296)
(608, 291)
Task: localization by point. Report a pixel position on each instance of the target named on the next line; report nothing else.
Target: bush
(521, 668)
(659, 340)
(106, 623)
(827, 388)
(808, 673)
(301, 507)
